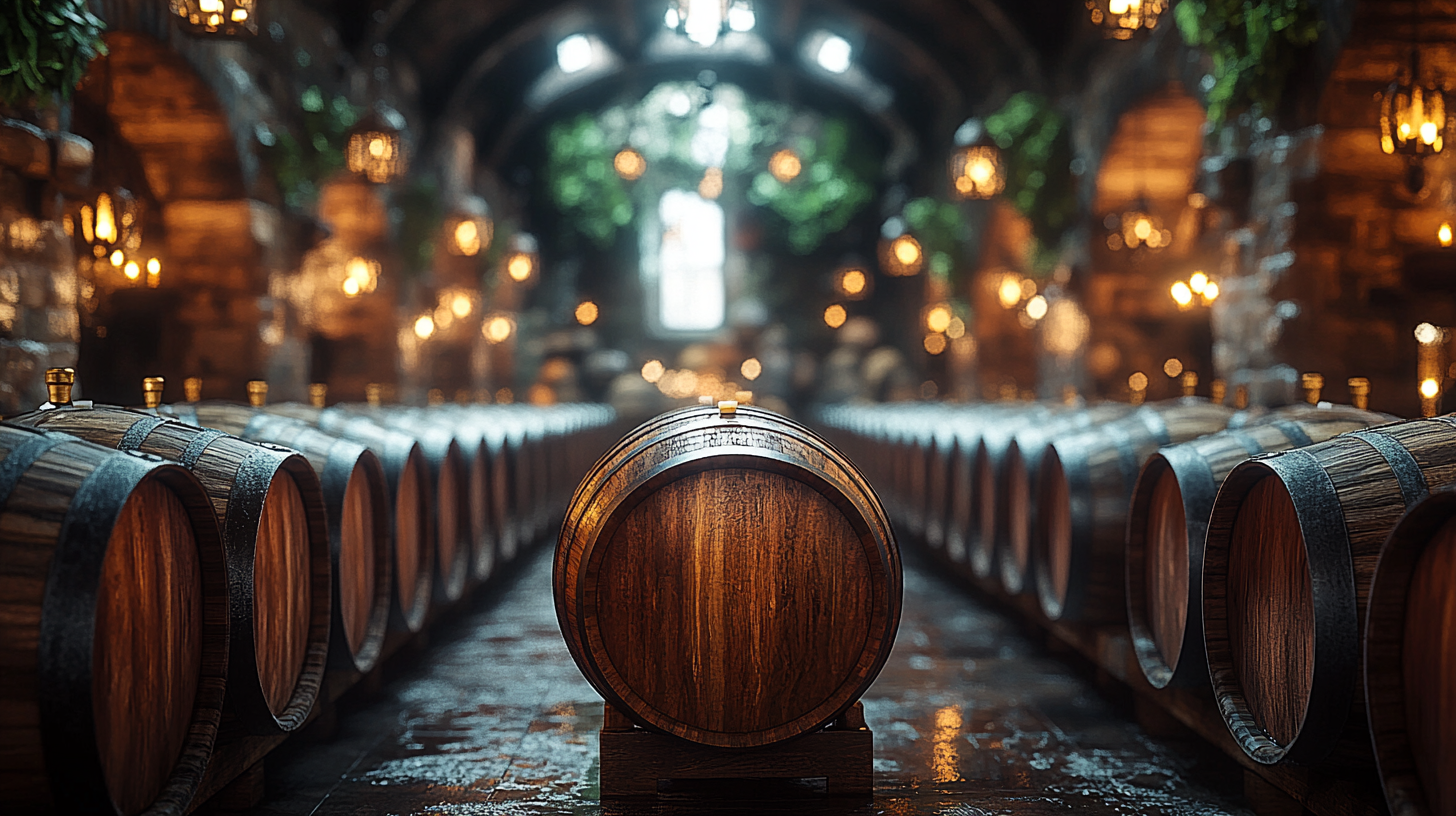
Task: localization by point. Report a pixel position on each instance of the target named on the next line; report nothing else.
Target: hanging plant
(583, 181)
(1037, 147)
(302, 160)
(823, 197)
(47, 46)
(1253, 44)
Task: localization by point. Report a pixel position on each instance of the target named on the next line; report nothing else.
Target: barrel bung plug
(59, 382)
(192, 389)
(1359, 392)
(1313, 383)
(318, 394)
(257, 393)
(373, 394)
(727, 408)
(152, 391)
(1217, 390)
(1189, 381)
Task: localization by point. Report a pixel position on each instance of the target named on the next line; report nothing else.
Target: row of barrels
(1298, 564)
(173, 572)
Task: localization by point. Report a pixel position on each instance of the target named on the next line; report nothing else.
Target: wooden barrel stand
(634, 761)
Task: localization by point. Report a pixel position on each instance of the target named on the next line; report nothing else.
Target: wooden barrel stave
(1410, 660)
(1168, 521)
(1329, 506)
(115, 655)
(268, 503)
(653, 477)
(1084, 486)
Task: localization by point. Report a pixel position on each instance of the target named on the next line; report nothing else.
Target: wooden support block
(1267, 799)
(634, 760)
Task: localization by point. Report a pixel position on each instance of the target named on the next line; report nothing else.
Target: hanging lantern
(217, 18)
(1412, 115)
(976, 172)
(1137, 228)
(376, 148)
(1121, 19)
(110, 224)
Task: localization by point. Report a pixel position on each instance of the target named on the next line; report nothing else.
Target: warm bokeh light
(1197, 282)
(361, 275)
(467, 238)
(956, 330)
(907, 250)
(520, 266)
(586, 313)
(118, 258)
(751, 368)
(1443, 234)
(934, 343)
(1182, 294)
(938, 318)
(1426, 334)
(1009, 292)
(1138, 381)
(133, 270)
(1430, 388)
(852, 282)
(976, 172)
(652, 370)
(712, 184)
(498, 329)
(154, 273)
(834, 316)
(424, 327)
(1172, 366)
(1036, 308)
(629, 164)
(461, 306)
(1210, 292)
(785, 165)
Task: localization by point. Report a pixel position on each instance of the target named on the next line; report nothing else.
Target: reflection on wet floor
(970, 719)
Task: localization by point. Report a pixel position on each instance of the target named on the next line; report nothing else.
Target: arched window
(691, 254)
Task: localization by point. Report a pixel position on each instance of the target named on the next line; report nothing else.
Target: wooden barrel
(407, 478)
(481, 487)
(1168, 521)
(356, 497)
(450, 485)
(115, 638)
(987, 462)
(1410, 660)
(1014, 491)
(727, 578)
(1291, 549)
(1083, 487)
(275, 533)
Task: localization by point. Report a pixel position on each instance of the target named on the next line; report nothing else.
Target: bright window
(691, 294)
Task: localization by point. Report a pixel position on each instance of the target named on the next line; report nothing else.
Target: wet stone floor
(971, 718)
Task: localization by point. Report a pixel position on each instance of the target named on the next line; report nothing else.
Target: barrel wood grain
(730, 581)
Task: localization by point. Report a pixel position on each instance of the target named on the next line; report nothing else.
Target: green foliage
(582, 182)
(940, 227)
(826, 194)
(47, 45)
(1037, 149)
(301, 162)
(1253, 44)
(596, 202)
(421, 217)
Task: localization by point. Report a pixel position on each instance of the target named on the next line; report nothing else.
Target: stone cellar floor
(970, 716)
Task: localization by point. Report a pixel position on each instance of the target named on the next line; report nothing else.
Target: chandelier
(217, 18)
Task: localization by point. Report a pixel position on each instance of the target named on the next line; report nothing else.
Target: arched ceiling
(942, 60)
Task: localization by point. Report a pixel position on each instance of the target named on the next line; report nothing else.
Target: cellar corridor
(970, 717)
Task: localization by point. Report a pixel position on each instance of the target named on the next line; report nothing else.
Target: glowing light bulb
(853, 282)
(133, 270)
(1182, 293)
(751, 368)
(1036, 308)
(118, 258)
(1443, 234)
(350, 287)
(461, 306)
(424, 327)
(467, 237)
(1426, 334)
(498, 329)
(1428, 132)
(1197, 282)
(1430, 388)
(1009, 292)
(907, 250)
(586, 313)
(519, 267)
(1172, 366)
(938, 319)
(652, 370)
(1210, 292)
(834, 316)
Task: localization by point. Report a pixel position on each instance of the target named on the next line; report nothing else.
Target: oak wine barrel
(988, 458)
(727, 577)
(1013, 489)
(1410, 660)
(1168, 521)
(356, 497)
(275, 533)
(450, 483)
(486, 488)
(114, 643)
(407, 478)
(1083, 488)
(1292, 545)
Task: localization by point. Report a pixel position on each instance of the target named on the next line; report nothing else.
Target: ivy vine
(47, 45)
(302, 160)
(1253, 44)
(1036, 147)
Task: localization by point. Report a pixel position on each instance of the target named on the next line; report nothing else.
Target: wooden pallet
(634, 761)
